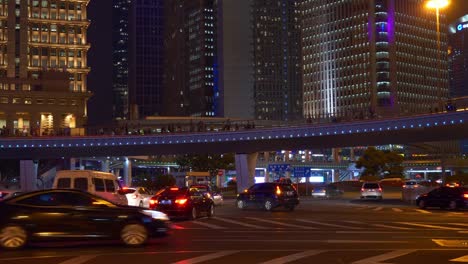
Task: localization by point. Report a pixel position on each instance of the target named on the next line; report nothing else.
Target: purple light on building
(391, 22)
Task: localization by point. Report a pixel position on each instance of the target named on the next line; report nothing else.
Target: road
(318, 231)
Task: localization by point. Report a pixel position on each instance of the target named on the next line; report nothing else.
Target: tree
(377, 163)
(207, 162)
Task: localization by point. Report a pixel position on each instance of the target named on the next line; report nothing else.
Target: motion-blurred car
(326, 191)
(268, 196)
(183, 203)
(4, 194)
(371, 190)
(138, 196)
(217, 196)
(412, 184)
(73, 214)
(444, 197)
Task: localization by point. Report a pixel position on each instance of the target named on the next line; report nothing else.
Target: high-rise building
(192, 82)
(277, 59)
(458, 57)
(43, 65)
(138, 27)
(366, 57)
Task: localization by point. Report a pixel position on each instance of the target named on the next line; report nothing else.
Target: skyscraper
(43, 65)
(192, 63)
(365, 57)
(277, 59)
(458, 57)
(138, 58)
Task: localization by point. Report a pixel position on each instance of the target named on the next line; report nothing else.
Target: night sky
(100, 55)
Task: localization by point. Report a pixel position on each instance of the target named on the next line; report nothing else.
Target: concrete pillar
(73, 163)
(286, 155)
(336, 154)
(245, 170)
(105, 165)
(307, 155)
(28, 175)
(266, 156)
(351, 154)
(267, 174)
(127, 172)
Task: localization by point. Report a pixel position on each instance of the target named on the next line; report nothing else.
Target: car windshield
(411, 183)
(371, 186)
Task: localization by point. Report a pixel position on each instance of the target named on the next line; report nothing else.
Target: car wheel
(13, 237)
(211, 211)
(134, 235)
(193, 213)
(422, 204)
(268, 205)
(453, 205)
(141, 204)
(241, 204)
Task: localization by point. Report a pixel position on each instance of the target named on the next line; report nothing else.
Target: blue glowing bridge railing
(303, 131)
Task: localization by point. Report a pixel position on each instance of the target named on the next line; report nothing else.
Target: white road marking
(451, 243)
(378, 209)
(293, 257)
(208, 225)
(380, 258)
(206, 257)
(429, 226)
(392, 227)
(458, 224)
(355, 222)
(362, 208)
(423, 211)
(329, 241)
(397, 210)
(79, 260)
(461, 259)
(280, 223)
(326, 224)
(239, 223)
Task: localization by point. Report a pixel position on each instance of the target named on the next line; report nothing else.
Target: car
(4, 194)
(65, 214)
(412, 184)
(371, 190)
(217, 196)
(138, 196)
(268, 196)
(444, 197)
(188, 203)
(326, 191)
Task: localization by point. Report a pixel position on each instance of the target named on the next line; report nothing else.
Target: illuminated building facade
(192, 62)
(43, 65)
(458, 57)
(372, 57)
(277, 60)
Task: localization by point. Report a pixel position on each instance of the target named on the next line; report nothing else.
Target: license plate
(166, 202)
(289, 193)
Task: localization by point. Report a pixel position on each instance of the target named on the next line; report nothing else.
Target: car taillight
(153, 201)
(362, 189)
(404, 186)
(465, 195)
(380, 189)
(278, 191)
(181, 201)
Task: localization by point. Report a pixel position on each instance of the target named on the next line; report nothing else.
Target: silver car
(371, 190)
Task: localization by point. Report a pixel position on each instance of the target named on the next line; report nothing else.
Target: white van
(99, 183)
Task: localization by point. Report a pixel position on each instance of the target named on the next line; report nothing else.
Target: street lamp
(437, 5)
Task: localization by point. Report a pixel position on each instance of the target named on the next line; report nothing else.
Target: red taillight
(153, 201)
(181, 201)
(278, 191)
(174, 189)
(465, 195)
(380, 189)
(362, 190)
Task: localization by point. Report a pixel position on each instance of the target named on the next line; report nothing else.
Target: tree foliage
(378, 164)
(206, 162)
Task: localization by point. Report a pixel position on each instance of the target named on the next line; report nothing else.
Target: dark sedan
(183, 202)
(444, 197)
(268, 196)
(61, 214)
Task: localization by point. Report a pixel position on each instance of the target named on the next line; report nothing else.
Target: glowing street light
(437, 5)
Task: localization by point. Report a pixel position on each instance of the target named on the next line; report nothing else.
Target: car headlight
(156, 215)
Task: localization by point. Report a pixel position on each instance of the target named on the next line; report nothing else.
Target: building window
(16, 100)
(40, 101)
(3, 100)
(28, 101)
(51, 101)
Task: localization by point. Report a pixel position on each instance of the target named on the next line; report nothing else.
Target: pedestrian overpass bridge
(402, 130)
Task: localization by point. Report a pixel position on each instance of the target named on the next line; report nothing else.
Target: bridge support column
(72, 163)
(245, 170)
(105, 165)
(127, 172)
(28, 175)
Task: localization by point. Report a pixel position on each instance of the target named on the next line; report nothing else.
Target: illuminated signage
(462, 26)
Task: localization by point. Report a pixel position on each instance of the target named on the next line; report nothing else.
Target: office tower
(138, 58)
(192, 82)
(43, 65)
(372, 57)
(277, 59)
(458, 57)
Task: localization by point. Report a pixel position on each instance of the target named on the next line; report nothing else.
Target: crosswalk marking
(383, 257)
(423, 211)
(208, 225)
(391, 227)
(293, 257)
(378, 208)
(429, 226)
(397, 210)
(326, 224)
(239, 223)
(207, 257)
(280, 223)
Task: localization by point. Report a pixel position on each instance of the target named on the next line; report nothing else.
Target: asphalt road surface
(318, 231)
